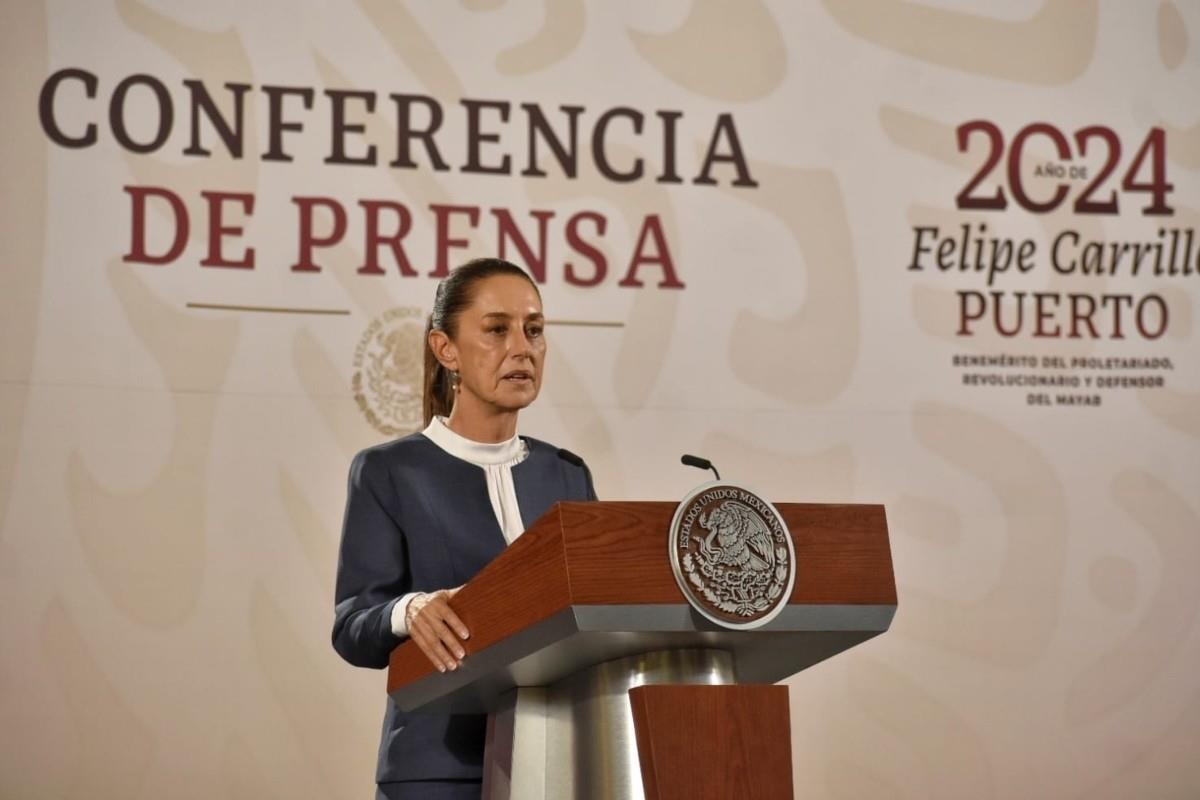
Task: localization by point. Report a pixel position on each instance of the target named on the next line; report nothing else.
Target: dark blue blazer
(417, 520)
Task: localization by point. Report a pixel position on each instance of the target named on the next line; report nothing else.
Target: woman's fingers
(456, 624)
(446, 614)
(438, 631)
(433, 644)
(433, 649)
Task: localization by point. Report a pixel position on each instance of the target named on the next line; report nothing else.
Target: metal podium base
(575, 740)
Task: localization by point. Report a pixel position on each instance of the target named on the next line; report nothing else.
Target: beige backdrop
(172, 476)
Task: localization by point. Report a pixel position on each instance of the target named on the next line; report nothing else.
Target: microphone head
(695, 461)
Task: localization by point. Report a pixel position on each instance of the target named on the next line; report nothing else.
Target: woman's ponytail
(438, 397)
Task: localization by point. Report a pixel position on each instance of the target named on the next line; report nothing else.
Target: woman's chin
(517, 396)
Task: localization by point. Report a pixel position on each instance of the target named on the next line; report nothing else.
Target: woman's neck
(479, 425)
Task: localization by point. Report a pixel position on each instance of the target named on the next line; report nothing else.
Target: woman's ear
(443, 350)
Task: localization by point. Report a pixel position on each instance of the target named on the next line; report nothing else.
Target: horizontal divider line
(578, 323)
(583, 323)
(269, 309)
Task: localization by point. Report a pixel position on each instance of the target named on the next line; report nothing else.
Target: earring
(455, 379)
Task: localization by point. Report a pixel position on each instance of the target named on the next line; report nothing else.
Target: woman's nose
(521, 345)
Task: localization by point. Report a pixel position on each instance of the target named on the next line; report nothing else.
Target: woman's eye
(497, 329)
(533, 332)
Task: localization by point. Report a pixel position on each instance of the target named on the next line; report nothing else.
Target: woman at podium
(426, 512)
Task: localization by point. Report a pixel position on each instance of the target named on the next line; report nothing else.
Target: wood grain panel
(525, 584)
(842, 553)
(713, 742)
(617, 553)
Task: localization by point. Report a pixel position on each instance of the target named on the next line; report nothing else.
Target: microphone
(700, 463)
(576, 461)
(569, 457)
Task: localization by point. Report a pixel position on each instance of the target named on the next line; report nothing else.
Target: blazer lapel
(536, 485)
(468, 528)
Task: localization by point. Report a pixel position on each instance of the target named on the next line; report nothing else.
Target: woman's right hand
(436, 629)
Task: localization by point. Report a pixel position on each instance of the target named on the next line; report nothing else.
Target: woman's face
(499, 346)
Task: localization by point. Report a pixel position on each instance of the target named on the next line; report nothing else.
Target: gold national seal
(388, 371)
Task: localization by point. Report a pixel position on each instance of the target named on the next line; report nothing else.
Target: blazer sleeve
(372, 571)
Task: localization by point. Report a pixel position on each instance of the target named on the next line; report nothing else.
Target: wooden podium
(603, 682)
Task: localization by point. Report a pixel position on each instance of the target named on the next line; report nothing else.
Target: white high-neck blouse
(496, 461)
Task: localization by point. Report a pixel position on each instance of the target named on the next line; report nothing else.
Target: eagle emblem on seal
(733, 556)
